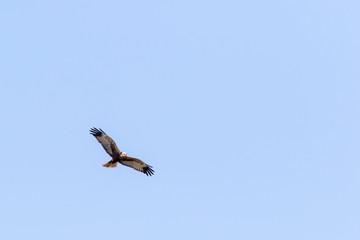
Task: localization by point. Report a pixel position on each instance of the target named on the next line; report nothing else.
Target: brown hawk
(117, 156)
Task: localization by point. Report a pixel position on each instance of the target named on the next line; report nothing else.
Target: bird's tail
(110, 164)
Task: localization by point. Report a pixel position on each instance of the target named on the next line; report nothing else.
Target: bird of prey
(117, 156)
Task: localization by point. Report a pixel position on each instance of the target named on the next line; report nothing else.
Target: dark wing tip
(148, 170)
(96, 132)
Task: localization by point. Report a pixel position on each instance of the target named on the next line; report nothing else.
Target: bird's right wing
(108, 144)
(137, 164)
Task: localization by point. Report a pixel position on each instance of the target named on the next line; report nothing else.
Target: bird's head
(123, 154)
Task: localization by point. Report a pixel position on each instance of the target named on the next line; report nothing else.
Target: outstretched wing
(108, 144)
(137, 164)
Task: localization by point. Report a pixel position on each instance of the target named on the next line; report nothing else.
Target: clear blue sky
(247, 110)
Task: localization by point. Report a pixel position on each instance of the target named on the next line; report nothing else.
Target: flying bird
(117, 156)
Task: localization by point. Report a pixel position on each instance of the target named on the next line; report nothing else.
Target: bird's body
(117, 156)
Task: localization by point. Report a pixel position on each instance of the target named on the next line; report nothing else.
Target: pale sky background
(247, 110)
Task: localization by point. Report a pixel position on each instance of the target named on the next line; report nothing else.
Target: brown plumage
(117, 156)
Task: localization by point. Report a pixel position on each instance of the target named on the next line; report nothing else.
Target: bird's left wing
(108, 144)
(137, 164)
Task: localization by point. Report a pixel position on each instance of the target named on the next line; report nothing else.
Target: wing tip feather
(148, 170)
(96, 132)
